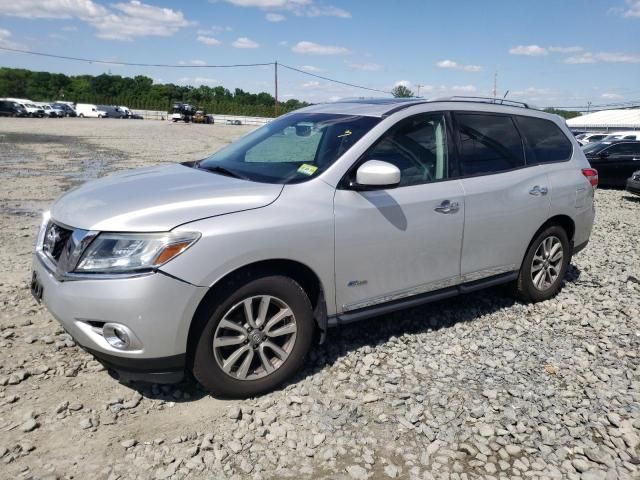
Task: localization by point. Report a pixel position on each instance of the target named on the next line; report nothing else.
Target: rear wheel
(257, 336)
(544, 266)
(81, 115)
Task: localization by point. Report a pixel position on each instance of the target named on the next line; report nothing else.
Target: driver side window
(417, 146)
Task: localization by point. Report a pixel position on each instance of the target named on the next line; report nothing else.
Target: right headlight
(130, 252)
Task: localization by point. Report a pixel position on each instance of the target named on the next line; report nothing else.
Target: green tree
(567, 114)
(400, 91)
(136, 92)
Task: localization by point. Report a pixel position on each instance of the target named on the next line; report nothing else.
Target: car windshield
(291, 149)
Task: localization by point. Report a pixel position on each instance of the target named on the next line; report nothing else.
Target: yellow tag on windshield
(345, 134)
(307, 169)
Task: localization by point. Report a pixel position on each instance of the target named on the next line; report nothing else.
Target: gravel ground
(482, 387)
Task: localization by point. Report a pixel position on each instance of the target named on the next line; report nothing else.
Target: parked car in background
(67, 110)
(615, 161)
(232, 122)
(590, 137)
(230, 267)
(633, 183)
(90, 110)
(52, 111)
(33, 110)
(128, 113)
(12, 109)
(112, 111)
(628, 135)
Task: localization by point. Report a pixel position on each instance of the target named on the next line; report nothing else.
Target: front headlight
(126, 252)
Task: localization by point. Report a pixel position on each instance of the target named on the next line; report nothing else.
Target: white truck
(90, 110)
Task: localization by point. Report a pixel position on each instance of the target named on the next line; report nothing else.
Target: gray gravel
(481, 387)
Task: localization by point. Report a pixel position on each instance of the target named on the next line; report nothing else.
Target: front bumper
(633, 186)
(156, 307)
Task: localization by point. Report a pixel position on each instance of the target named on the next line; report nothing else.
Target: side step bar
(422, 299)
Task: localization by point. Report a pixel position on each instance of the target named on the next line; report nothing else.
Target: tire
(533, 284)
(81, 115)
(229, 305)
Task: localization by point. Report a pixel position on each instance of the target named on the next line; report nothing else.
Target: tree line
(139, 92)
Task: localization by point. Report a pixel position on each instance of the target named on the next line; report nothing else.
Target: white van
(126, 111)
(90, 110)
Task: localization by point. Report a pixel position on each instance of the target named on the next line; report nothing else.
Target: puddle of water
(24, 155)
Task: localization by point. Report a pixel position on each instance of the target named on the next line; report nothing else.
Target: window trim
(458, 143)
(527, 146)
(347, 180)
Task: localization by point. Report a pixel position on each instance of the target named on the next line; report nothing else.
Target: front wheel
(544, 266)
(257, 336)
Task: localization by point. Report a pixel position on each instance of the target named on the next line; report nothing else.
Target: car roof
(383, 107)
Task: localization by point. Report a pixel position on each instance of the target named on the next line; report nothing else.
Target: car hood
(158, 199)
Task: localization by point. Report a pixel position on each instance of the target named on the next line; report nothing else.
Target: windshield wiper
(222, 171)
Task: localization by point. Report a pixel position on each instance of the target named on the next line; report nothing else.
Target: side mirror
(376, 174)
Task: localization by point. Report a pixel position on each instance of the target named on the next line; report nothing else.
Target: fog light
(119, 336)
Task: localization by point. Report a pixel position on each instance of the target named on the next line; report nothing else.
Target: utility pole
(495, 84)
(419, 87)
(588, 107)
(275, 109)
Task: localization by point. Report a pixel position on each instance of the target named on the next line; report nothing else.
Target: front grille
(55, 239)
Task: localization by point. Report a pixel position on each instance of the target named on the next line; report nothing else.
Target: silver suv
(230, 266)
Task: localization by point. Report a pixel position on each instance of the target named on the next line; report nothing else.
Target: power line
(627, 104)
(131, 64)
(334, 80)
(169, 65)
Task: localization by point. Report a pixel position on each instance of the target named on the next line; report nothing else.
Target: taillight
(592, 176)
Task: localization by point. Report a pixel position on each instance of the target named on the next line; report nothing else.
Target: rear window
(545, 141)
(488, 144)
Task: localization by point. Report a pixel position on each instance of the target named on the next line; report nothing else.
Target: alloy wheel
(255, 337)
(547, 263)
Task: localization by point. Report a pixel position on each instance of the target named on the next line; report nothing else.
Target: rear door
(506, 201)
(395, 243)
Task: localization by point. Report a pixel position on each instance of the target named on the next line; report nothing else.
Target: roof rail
(497, 101)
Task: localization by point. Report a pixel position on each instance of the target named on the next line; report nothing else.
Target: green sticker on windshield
(307, 169)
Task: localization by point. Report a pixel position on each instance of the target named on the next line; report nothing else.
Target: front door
(394, 243)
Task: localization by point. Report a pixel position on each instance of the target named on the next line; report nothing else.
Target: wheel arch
(564, 221)
(301, 273)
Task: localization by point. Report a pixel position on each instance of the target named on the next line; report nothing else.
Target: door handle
(447, 207)
(635, 159)
(537, 191)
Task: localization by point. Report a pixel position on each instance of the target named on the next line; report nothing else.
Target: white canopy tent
(607, 120)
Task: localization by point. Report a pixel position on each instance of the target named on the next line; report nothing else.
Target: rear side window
(545, 141)
(488, 144)
(624, 149)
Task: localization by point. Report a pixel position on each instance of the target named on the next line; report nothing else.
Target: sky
(546, 52)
